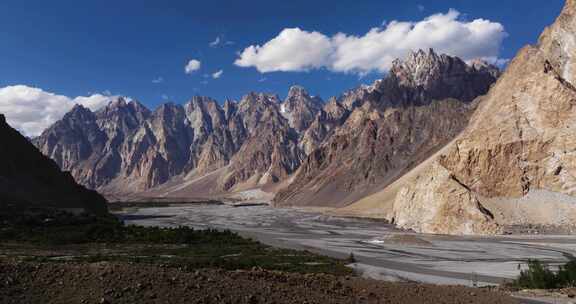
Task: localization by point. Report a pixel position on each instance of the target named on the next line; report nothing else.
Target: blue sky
(78, 48)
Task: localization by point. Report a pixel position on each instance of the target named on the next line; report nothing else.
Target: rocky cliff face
(521, 139)
(379, 132)
(30, 178)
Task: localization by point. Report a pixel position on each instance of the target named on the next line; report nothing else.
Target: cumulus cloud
(31, 110)
(298, 50)
(192, 66)
(217, 74)
(292, 50)
(158, 80)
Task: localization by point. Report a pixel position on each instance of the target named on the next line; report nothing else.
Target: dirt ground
(33, 282)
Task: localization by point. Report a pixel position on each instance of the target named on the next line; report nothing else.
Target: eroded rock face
(327, 120)
(370, 150)
(374, 134)
(522, 137)
(30, 178)
(450, 207)
(270, 151)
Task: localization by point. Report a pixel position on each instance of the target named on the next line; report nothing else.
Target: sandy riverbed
(382, 252)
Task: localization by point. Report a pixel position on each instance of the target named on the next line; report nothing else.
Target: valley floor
(381, 251)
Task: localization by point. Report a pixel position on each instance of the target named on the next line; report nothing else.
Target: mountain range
(300, 147)
(438, 145)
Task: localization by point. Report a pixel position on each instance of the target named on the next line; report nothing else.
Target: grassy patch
(62, 237)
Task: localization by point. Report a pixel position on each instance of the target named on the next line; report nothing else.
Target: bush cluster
(540, 276)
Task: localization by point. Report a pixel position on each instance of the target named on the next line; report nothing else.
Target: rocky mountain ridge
(398, 122)
(362, 139)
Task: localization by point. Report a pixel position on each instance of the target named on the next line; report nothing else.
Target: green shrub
(567, 275)
(537, 276)
(540, 276)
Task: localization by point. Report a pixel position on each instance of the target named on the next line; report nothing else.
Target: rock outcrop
(520, 140)
(451, 208)
(29, 178)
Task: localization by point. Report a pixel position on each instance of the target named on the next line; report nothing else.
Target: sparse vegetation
(180, 246)
(540, 276)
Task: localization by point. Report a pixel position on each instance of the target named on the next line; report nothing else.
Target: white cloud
(216, 42)
(217, 74)
(421, 7)
(298, 50)
(192, 66)
(292, 50)
(31, 110)
(158, 80)
(220, 41)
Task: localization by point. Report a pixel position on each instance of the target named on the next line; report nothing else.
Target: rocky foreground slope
(321, 153)
(129, 283)
(28, 178)
(516, 161)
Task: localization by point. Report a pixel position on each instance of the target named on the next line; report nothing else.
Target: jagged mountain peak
(138, 106)
(482, 65)
(299, 108)
(123, 104)
(120, 101)
(77, 109)
(426, 76)
(297, 91)
(254, 97)
(168, 107)
(421, 68)
(201, 100)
